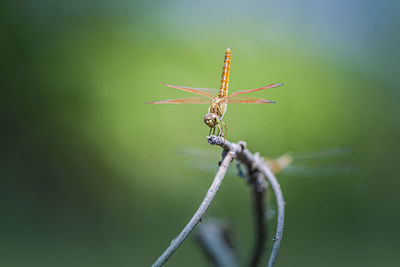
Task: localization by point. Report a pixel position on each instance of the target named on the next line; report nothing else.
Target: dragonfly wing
(202, 160)
(248, 99)
(309, 163)
(319, 154)
(210, 93)
(253, 90)
(319, 171)
(189, 100)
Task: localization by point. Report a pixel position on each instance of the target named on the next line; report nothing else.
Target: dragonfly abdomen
(226, 70)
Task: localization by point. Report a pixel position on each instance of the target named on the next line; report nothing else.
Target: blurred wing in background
(312, 163)
(200, 159)
(298, 164)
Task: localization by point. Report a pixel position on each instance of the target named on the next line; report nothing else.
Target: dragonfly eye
(211, 119)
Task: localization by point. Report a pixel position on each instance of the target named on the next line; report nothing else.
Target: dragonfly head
(211, 119)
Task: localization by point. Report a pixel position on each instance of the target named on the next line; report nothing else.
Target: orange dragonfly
(218, 99)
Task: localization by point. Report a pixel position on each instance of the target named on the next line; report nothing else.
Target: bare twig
(259, 188)
(254, 162)
(199, 213)
(280, 202)
(215, 237)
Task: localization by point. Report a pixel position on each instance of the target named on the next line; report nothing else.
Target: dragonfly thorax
(211, 119)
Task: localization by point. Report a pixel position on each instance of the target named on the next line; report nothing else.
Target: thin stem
(199, 213)
(259, 188)
(269, 175)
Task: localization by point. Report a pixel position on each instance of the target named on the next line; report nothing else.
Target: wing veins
(249, 99)
(188, 100)
(200, 91)
(253, 90)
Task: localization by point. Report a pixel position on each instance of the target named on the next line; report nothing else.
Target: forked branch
(254, 163)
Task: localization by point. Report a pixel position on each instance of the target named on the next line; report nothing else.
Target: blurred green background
(90, 175)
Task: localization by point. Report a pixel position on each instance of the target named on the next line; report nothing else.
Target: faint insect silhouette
(309, 163)
(323, 163)
(218, 99)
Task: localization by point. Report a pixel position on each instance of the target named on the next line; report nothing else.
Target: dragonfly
(218, 99)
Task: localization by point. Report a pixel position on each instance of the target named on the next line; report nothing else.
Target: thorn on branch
(242, 144)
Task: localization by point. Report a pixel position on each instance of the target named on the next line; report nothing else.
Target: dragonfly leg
(220, 132)
(212, 131)
(226, 128)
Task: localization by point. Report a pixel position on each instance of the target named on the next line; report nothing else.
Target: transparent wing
(248, 99)
(188, 100)
(253, 90)
(312, 163)
(210, 93)
(297, 164)
(319, 171)
(320, 154)
(201, 159)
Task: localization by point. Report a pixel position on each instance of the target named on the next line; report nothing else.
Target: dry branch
(254, 163)
(255, 166)
(259, 192)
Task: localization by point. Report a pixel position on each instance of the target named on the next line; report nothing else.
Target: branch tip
(242, 144)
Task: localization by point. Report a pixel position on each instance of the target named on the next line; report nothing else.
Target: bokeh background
(91, 176)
